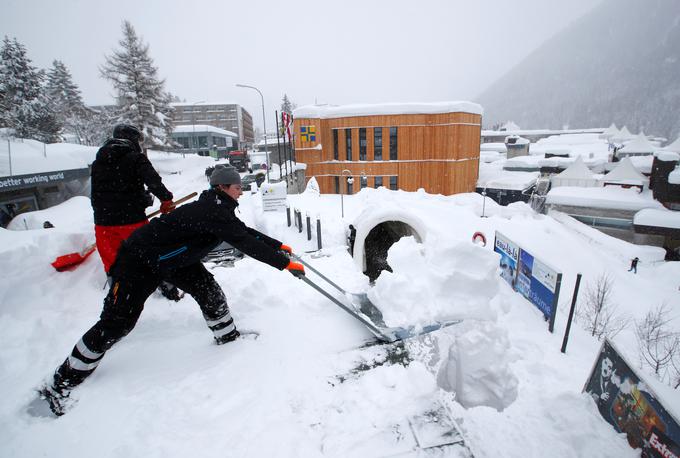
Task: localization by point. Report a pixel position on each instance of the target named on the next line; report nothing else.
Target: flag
(286, 121)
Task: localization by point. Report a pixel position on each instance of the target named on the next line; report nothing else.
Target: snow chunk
(478, 370)
(435, 281)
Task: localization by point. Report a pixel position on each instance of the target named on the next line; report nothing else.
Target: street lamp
(193, 123)
(264, 125)
(342, 193)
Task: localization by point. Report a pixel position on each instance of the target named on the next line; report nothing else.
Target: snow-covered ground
(305, 388)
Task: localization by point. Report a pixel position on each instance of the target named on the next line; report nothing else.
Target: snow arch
(377, 228)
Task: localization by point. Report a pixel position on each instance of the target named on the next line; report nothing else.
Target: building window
(184, 141)
(348, 141)
(335, 145)
(393, 183)
(362, 144)
(202, 142)
(337, 184)
(363, 181)
(378, 182)
(377, 144)
(393, 143)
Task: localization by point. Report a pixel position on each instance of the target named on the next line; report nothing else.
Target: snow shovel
(71, 260)
(367, 310)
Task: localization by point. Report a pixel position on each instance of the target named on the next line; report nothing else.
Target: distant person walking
(633, 264)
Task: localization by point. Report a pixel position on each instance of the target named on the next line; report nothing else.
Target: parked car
(257, 178)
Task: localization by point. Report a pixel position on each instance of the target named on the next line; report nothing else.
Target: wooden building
(434, 146)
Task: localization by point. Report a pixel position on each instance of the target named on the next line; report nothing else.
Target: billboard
(630, 406)
(538, 283)
(509, 252)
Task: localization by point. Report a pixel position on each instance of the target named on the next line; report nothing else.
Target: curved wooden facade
(437, 152)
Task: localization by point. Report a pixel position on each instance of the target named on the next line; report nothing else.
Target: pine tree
(286, 105)
(24, 105)
(66, 100)
(141, 98)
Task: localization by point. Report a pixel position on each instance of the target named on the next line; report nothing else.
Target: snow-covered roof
(623, 135)
(345, 111)
(608, 197)
(202, 128)
(32, 156)
(577, 170)
(610, 132)
(625, 172)
(200, 104)
(639, 144)
(503, 179)
(675, 146)
(668, 156)
(657, 218)
(516, 140)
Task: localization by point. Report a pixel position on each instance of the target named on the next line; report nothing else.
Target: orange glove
(286, 248)
(167, 206)
(296, 269)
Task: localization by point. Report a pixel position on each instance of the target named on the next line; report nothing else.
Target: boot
(233, 335)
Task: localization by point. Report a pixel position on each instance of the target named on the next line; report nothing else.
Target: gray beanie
(224, 175)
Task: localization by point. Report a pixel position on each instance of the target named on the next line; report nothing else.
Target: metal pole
(571, 313)
(309, 227)
(264, 125)
(318, 231)
(288, 214)
(9, 152)
(278, 142)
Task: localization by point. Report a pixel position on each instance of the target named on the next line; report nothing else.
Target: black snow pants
(132, 284)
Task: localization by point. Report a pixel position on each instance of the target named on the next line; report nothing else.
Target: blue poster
(536, 282)
(509, 252)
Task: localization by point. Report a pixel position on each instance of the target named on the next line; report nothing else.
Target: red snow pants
(109, 239)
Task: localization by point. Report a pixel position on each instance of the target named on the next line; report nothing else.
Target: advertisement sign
(630, 406)
(537, 283)
(509, 252)
(274, 196)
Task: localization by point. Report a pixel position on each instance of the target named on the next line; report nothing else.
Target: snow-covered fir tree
(286, 104)
(66, 101)
(141, 98)
(24, 105)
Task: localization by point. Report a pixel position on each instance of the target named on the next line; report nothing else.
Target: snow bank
(433, 282)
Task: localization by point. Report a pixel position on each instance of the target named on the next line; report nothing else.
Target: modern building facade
(434, 146)
(226, 116)
(205, 140)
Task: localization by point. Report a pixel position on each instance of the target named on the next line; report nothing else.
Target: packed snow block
(477, 369)
(436, 281)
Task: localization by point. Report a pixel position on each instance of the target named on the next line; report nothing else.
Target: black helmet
(128, 132)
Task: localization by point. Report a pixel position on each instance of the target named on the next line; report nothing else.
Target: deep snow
(299, 389)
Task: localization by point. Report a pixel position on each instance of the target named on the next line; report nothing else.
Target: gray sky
(336, 52)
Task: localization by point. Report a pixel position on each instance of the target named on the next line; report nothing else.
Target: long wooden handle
(177, 202)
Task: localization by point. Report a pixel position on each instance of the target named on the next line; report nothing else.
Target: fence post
(288, 214)
(571, 313)
(318, 231)
(309, 227)
(298, 217)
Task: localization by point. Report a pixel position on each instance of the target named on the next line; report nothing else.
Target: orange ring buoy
(479, 236)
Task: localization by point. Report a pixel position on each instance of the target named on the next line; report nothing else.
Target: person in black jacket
(170, 248)
(119, 174)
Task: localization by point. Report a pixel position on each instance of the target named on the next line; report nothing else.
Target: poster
(630, 406)
(509, 252)
(537, 282)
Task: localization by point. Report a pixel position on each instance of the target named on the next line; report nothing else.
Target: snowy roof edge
(345, 111)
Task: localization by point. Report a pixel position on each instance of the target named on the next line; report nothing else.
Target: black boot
(233, 335)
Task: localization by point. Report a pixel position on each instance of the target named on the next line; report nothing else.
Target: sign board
(274, 196)
(538, 283)
(509, 252)
(38, 179)
(628, 403)
(308, 133)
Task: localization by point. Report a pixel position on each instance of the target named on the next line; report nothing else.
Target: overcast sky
(335, 52)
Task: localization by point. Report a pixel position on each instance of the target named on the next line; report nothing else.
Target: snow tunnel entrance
(379, 240)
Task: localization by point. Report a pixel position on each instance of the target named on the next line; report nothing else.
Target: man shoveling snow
(169, 248)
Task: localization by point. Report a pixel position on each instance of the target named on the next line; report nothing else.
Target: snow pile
(431, 282)
(477, 369)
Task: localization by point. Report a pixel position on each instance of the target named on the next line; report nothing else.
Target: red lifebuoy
(479, 236)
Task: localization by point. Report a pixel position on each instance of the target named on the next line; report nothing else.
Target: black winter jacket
(119, 174)
(187, 234)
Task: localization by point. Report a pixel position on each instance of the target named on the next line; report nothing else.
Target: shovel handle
(177, 202)
(328, 280)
